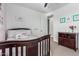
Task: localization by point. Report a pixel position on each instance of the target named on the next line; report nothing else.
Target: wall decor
(76, 17)
(62, 20)
(72, 27)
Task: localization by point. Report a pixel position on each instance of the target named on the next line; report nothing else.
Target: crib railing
(35, 47)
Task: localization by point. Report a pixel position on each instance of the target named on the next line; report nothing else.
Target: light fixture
(45, 5)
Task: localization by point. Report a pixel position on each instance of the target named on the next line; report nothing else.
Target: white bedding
(26, 38)
(22, 35)
(19, 33)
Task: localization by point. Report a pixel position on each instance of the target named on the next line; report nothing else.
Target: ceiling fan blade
(45, 5)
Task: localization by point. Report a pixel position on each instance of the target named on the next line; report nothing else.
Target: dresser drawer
(60, 41)
(72, 43)
(67, 40)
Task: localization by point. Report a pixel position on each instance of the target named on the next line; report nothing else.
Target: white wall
(67, 11)
(2, 23)
(30, 19)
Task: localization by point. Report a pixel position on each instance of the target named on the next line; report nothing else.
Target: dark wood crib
(35, 47)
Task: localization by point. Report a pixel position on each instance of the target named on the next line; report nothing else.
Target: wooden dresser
(68, 40)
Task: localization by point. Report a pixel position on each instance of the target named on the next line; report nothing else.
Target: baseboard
(53, 40)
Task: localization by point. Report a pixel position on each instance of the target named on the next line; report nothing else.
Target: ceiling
(40, 6)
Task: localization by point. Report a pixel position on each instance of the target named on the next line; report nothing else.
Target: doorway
(50, 26)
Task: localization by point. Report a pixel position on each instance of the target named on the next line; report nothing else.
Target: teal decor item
(62, 20)
(76, 17)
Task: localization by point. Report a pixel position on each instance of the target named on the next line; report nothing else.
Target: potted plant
(72, 27)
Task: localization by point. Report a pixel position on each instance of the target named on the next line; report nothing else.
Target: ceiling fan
(45, 5)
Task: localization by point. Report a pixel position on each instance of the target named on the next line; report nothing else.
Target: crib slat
(21, 50)
(49, 46)
(10, 51)
(3, 52)
(26, 50)
(16, 51)
(40, 48)
(45, 47)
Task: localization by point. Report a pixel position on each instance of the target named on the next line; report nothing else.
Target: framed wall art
(62, 20)
(76, 17)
